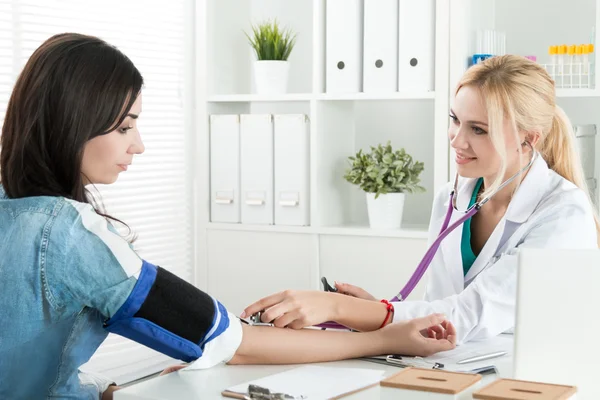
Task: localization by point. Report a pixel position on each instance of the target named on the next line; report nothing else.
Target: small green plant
(385, 171)
(270, 42)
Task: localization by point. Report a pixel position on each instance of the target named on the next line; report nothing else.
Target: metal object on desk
(418, 362)
(483, 357)
(488, 369)
(261, 393)
(256, 392)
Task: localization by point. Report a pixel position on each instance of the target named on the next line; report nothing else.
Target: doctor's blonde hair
(520, 90)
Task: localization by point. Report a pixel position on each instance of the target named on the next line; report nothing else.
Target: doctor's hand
(295, 309)
(354, 291)
(415, 337)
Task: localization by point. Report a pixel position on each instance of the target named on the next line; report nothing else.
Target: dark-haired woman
(67, 278)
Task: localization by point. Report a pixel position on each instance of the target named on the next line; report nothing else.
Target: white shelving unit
(241, 263)
(577, 93)
(530, 28)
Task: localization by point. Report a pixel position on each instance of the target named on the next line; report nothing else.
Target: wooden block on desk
(510, 389)
(429, 384)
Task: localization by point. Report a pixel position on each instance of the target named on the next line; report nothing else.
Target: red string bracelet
(390, 311)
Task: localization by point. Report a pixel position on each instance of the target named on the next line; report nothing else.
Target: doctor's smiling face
(476, 155)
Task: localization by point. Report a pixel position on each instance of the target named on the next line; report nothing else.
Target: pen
(482, 357)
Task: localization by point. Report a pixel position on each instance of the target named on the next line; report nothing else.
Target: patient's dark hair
(73, 88)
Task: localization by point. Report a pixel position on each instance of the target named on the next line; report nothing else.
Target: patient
(68, 279)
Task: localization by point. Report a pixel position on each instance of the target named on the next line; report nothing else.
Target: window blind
(155, 196)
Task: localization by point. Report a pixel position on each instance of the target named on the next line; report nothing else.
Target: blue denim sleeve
(87, 262)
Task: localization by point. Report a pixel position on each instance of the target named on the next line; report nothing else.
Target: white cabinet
(246, 266)
(381, 266)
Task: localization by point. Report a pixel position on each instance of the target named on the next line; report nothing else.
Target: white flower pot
(271, 77)
(385, 212)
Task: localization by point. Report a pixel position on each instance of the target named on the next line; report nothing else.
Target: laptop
(557, 332)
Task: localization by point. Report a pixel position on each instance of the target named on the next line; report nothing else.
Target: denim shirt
(63, 271)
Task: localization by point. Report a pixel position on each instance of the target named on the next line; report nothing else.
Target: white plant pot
(271, 77)
(385, 212)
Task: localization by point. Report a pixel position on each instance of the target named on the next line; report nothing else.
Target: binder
(343, 46)
(380, 59)
(256, 156)
(416, 36)
(292, 200)
(225, 168)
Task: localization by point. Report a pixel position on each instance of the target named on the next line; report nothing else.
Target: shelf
(568, 93)
(376, 96)
(249, 98)
(413, 232)
(258, 228)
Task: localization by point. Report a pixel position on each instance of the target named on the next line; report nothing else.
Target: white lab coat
(547, 211)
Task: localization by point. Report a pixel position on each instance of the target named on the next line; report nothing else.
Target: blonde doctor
(504, 122)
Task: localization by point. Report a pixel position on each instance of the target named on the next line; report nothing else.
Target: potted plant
(272, 46)
(386, 176)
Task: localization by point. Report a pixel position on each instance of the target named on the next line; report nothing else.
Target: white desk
(208, 384)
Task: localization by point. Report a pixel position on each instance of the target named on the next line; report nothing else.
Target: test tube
(562, 50)
(585, 59)
(570, 65)
(578, 65)
(552, 67)
(552, 50)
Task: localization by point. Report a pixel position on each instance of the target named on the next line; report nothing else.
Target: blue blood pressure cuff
(169, 315)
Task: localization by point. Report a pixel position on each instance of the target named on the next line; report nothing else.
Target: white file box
(510, 389)
(416, 45)
(225, 168)
(380, 56)
(343, 30)
(256, 155)
(429, 384)
(292, 199)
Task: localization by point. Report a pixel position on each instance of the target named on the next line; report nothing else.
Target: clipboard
(311, 382)
(243, 396)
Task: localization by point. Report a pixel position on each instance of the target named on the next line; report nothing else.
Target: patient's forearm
(267, 345)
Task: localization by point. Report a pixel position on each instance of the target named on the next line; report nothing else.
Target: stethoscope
(444, 231)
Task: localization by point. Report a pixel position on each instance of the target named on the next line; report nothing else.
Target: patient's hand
(419, 337)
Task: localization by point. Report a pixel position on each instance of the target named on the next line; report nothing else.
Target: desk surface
(208, 384)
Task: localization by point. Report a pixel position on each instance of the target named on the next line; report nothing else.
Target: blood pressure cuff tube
(169, 315)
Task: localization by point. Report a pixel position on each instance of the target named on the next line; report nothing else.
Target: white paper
(313, 382)
(450, 358)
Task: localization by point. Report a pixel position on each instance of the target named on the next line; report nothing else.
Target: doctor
(503, 113)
